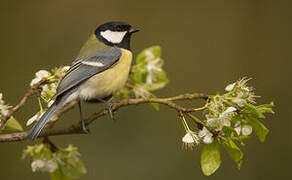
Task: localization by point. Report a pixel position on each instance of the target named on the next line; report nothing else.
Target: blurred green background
(206, 45)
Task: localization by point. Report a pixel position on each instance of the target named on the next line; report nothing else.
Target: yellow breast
(108, 82)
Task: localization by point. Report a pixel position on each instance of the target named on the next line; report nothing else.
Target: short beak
(133, 30)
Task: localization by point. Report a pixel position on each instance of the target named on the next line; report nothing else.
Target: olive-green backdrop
(206, 45)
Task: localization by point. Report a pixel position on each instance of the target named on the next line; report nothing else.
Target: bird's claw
(85, 129)
(110, 110)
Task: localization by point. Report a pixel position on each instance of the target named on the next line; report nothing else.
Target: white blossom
(246, 88)
(228, 111)
(237, 127)
(4, 111)
(32, 119)
(242, 84)
(239, 102)
(246, 130)
(48, 90)
(35, 81)
(219, 123)
(141, 92)
(44, 165)
(149, 54)
(238, 130)
(42, 74)
(39, 76)
(151, 67)
(240, 94)
(36, 117)
(213, 122)
(190, 139)
(65, 68)
(222, 120)
(225, 117)
(45, 87)
(208, 139)
(37, 164)
(251, 97)
(53, 86)
(206, 136)
(230, 87)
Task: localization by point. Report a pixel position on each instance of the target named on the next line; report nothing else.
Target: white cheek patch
(96, 64)
(113, 36)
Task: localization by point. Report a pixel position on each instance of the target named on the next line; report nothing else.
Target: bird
(99, 71)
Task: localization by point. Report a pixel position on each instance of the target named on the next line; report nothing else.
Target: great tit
(99, 71)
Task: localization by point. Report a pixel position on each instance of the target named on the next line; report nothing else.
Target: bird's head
(115, 34)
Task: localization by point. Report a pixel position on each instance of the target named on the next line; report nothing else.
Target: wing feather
(84, 69)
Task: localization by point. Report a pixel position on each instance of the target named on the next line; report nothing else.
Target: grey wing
(86, 68)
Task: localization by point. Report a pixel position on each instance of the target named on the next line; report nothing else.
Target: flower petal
(32, 119)
(35, 81)
(246, 130)
(230, 87)
(42, 74)
(188, 138)
(208, 139)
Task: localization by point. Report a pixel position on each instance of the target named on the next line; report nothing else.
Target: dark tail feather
(36, 129)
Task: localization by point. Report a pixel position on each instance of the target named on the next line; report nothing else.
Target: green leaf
(73, 171)
(266, 108)
(69, 164)
(154, 50)
(233, 150)
(148, 72)
(58, 175)
(139, 71)
(155, 105)
(260, 130)
(156, 85)
(229, 131)
(210, 158)
(13, 124)
(253, 110)
(72, 167)
(123, 93)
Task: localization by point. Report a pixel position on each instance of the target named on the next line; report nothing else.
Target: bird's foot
(110, 109)
(85, 129)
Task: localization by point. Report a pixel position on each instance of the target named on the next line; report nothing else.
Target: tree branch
(77, 129)
(31, 91)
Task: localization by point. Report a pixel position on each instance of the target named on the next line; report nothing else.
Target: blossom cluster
(11, 123)
(228, 119)
(4, 108)
(146, 74)
(48, 90)
(64, 163)
(225, 112)
(153, 66)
